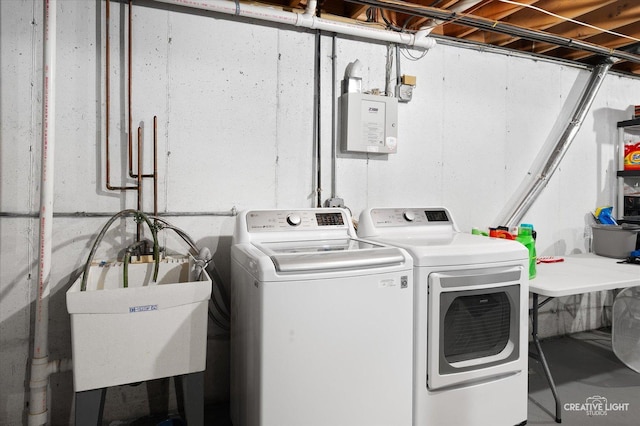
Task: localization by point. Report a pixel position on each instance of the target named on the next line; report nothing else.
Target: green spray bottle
(525, 237)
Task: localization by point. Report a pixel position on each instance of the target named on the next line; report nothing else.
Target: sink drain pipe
(538, 179)
(41, 367)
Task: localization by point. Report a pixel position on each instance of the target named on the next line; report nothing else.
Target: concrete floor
(583, 366)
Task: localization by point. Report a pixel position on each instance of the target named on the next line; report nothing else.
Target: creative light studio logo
(596, 406)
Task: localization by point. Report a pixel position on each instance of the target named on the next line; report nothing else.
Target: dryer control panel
(411, 222)
(308, 220)
(410, 217)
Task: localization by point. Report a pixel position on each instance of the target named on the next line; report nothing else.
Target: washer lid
(329, 254)
(457, 249)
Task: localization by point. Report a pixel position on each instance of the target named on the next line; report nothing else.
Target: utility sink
(142, 332)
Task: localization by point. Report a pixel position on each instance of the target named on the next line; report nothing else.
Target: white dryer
(470, 325)
(321, 323)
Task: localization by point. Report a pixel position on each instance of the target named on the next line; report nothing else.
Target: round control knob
(294, 219)
(409, 216)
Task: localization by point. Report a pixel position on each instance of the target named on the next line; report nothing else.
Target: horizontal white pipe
(306, 20)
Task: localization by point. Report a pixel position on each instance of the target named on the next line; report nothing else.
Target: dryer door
(474, 326)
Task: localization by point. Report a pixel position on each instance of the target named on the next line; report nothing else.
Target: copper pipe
(129, 78)
(139, 231)
(139, 175)
(129, 93)
(155, 165)
(107, 86)
(108, 106)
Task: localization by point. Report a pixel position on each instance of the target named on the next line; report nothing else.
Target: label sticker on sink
(143, 308)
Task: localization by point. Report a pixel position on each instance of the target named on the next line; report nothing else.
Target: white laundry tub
(142, 332)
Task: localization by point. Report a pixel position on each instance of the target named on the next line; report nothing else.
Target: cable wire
(216, 321)
(555, 15)
(407, 54)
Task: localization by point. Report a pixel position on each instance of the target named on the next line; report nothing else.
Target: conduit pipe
(231, 212)
(307, 20)
(539, 178)
(334, 112)
(318, 117)
(41, 368)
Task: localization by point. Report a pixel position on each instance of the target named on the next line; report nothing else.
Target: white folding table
(577, 274)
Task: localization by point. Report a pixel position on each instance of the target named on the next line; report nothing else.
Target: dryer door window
(475, 326)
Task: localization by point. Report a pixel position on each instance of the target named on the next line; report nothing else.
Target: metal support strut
(542, 359)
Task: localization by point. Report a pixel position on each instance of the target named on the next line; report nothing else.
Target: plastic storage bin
(615, 240)
(143, 332)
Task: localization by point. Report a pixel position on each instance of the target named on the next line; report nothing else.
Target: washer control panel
(410, 217)
(282, 220)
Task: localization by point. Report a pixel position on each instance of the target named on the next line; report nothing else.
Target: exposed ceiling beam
(353, 11)
(499, 27)
(626, 22)
(534, 19)
(629, 67)
(495, 10)
(601, 39)
(537, 20)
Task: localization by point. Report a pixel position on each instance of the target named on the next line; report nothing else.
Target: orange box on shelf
(632, 156)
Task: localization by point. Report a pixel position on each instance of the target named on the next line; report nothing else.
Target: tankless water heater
(369, 123)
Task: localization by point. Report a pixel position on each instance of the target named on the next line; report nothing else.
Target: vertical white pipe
(39, 365)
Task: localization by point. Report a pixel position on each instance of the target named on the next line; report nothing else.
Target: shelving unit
(628, 201)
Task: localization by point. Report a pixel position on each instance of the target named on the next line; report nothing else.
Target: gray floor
(583, 366)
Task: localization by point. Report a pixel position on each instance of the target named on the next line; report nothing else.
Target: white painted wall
(234, 101)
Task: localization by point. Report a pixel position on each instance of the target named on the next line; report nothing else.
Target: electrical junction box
(369, 123)
(404, 92)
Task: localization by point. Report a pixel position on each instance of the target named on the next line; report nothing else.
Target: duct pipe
(334, 112)
(513, 214)
(40, 368)
(463, 6)
(498, 27)
(306, 20)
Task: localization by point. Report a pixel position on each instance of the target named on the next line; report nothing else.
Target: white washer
(321, 323)
(471, 310)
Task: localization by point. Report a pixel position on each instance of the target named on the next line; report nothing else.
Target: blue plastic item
(603, 215)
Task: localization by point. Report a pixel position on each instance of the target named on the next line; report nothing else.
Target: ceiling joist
(573, 30)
